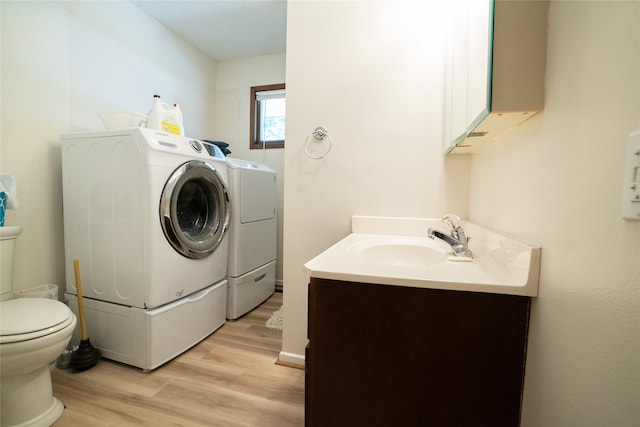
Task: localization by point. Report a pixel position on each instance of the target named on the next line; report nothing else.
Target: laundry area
(173, 237)
(132, 188)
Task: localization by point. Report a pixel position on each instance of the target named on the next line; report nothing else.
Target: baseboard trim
(289, 365)
(291, 360)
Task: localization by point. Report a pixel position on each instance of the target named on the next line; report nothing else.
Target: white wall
(558, 180)
(372, 74)
(63, 62)
(232, 118)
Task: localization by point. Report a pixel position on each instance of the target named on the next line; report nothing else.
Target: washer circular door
(194, 209)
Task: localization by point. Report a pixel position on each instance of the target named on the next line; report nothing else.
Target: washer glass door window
(194, 209)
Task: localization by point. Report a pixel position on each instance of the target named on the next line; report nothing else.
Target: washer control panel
(179, 144)
(196, 145)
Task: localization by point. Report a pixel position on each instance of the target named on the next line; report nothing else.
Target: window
(267, 116)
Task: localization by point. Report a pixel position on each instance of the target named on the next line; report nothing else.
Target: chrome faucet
(456, 238)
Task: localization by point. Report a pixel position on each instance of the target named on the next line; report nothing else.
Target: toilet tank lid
(25, 315)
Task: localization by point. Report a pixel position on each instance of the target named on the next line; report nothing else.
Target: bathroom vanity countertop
(396, 251)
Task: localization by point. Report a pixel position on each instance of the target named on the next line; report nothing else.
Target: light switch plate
(631, 190)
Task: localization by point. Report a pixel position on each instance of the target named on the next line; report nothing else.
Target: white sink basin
(401, 253)
(500, 265)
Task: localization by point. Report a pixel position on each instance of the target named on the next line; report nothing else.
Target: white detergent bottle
(158, 114)
(176, 113)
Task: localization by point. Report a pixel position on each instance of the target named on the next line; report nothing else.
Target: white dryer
(253, 244)
(147, 214)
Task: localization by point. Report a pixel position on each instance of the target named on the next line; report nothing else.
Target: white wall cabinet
(496, 64)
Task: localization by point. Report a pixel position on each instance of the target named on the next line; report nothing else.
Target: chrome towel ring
(311, 148)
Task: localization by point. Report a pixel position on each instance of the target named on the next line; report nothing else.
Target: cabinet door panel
(479, 62)
(459, 63)
(394, 356)
(469, 67)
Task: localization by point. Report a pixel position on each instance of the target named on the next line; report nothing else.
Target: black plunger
(86, 355)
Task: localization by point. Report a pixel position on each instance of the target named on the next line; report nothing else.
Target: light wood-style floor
(228, 380)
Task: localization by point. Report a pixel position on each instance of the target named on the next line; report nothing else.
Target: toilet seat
(25, 319)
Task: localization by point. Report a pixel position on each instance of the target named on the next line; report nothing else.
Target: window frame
(254, 142)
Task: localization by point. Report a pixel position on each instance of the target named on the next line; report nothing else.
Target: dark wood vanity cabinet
(393, 356)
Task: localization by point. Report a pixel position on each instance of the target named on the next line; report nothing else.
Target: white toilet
(33, 333)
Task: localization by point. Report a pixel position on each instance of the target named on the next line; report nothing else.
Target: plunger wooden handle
(76, 270)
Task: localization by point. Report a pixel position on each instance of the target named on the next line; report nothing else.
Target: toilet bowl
(33, 333)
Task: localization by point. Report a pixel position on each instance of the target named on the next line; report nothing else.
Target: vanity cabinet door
(395, 356)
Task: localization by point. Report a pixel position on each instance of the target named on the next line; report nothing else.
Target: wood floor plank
(230, 379)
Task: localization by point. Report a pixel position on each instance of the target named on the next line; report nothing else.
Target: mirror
(469, 65)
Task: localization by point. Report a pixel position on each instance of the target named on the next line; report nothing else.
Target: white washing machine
(147, 215)
(253, 244)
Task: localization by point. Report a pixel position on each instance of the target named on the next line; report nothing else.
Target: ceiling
(224, 29)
